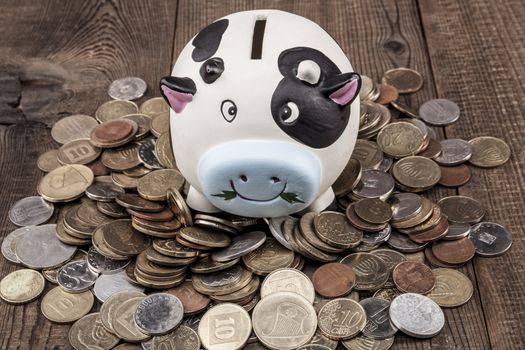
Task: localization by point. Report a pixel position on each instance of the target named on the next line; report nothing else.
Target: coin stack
(127, 248)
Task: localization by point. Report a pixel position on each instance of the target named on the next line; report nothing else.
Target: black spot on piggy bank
(264, 114)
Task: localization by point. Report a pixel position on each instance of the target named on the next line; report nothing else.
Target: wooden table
(58, 58)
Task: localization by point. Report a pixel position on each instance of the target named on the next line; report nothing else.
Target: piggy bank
(264, 115)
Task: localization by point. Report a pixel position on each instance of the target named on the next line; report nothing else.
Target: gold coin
(417, 173)
(452, 288)
(341, 319)
(417, 256)
(122, 158)
(183, 338)
(488, 151)
(405, 80)
(205, 237)
(348, 179)
(462, 209)
(124, 324)
(155, 185)
(73, 127)
(400, 139)
(368, 86)
(364, 343)
(160, 124)
(225, 326)
(334, 229)
(164, 151)
(66, 238)
(370, 270)
(121, 238)
(268, 257)
(370, 116)
(143, 121)
(62, 307)
(154, 106)
(124, 181)
(65, 183)
(21, 286)
(79, 151)
(288, 280)
(427, 209)
(88, 333)
(179, 207)
(368, 154)
(115, 109)
(171, 247)
(115, 300)
(48, 161)
(247, 292)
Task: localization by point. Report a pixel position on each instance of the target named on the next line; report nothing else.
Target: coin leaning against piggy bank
(262, 122)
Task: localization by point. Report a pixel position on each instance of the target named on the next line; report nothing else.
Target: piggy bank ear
(177, 92)
(342, 88)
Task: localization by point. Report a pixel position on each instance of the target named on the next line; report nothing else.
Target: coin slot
(258, 37)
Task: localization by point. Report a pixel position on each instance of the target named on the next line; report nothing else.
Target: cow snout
(260, 178)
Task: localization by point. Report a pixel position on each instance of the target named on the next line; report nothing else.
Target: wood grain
(483, 73)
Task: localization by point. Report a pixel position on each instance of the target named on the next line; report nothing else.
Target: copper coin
(435, 262)
(433, 149)
(454, 252)
(413, 277)
(387, 94)
(192, 300)
(356, 221)
(454, 176)
(433, 234)
(333, 280)
(164, 215)
(113, 131)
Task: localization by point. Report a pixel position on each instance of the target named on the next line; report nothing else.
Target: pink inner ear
(178, 100)
(345, 94)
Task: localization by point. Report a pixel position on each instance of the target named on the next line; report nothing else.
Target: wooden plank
(377, 36)
(477, 50)
(58, 58)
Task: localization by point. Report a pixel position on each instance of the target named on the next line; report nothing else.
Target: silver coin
(454, 152)
(457, 231)
(490, 239)
(76, 277)
(405, 205)
(107, 285)
(222, 278)
(39, 248)
(129, 88)
(378, 323)
(404, 244)
(215, 225)
(159, 313)
(320, 340)
(385, 164)
(146, 345)
(439, 112)
(9, 244)
(240, 246)
(374, 184)
(416, 315)
(101, 264)
(103, 191)
(421, 126)
(275, 225)
(147, 154)
(31, 211)
(374, 238)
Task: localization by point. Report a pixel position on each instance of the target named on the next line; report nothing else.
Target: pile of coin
(127, 248)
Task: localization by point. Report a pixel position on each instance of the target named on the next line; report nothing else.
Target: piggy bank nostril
(275, 180)
(243, 178)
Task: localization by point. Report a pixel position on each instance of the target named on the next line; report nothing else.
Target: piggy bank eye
(228, 110)
(289, 113)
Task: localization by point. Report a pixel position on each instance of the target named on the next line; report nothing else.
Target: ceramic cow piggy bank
(264, 114)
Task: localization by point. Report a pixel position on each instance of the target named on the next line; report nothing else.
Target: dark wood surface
(58, 57)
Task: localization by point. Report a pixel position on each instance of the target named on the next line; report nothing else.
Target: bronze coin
(373, 210)
(387, 94)
(98, 168)
(413, 277)
(454, 176)
(432, 150)
(133, 201)
(113, 133)
(356, 221)
(333, 280)
(454, 252)
(433, 234)
(429, 255)
(164, 215)
(192, 300)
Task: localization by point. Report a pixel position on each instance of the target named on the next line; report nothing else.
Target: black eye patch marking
(207, 41)
(212, 69)
(318, 121)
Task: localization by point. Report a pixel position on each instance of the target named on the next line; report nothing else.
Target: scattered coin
(76, 277)
(154, 106)
(30, 211)
(122, 158)
(378, 324)
(128, 88)
(370, 270)
(373, 210)
(21, 286)
(72, 128)
(374, 184)
(159, 313)
(405, 206)
(48, 161)
(240, 245)
(439, 112)
(341, 319)
(405, 80)
(400, 139)
(457, 231)
(416, 173)
(268, 257)
(387, 94)
(65, 183)
(182, 338)
(79, 151)
(225, 326)
(115, 110)
(454, 252)
(192, 301)
(413, 277)
(461, 209)
(9, 244)
(490, 239)
(348, 179)
(114, 133)
(284, 320)
(288, 280)
(164, 151)
(155, 185)
(143, 122)
(123, 323)
(62, 307)
(108, 284)
(416, 315)
(161, 124)
(368, 154)
(333, 280)
(364, 343)
(488, 151)
(454, 152)
(454, 176)
(88, 333)
(452, 288)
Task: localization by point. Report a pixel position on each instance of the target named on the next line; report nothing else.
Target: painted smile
(253, 199)
(290, 197)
